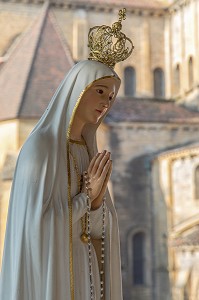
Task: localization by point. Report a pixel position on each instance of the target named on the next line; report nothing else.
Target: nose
(106, 102)
(105, 105)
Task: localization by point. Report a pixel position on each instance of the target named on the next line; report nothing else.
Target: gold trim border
(77, 142)
(69, 184)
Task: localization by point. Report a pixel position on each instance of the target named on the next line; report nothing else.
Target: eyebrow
(101, 85)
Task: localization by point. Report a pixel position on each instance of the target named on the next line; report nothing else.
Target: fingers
(107, 168)
(104, 187)
(109, 172)
(102, 164)
(96, 181)
(93, 167)
(93, 162)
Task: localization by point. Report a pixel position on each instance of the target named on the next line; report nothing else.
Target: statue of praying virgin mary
(62, 240)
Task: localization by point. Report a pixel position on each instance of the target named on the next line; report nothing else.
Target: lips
(99, 111)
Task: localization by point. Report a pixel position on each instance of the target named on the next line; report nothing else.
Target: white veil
(37, 262)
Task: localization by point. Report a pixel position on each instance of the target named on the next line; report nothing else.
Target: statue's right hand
(96, 174)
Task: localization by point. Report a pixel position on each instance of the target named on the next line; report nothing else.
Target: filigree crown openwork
(108, 44)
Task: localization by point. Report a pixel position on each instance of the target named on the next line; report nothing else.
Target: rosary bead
(84, 238)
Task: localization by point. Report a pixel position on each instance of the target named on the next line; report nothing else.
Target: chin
(93, 122)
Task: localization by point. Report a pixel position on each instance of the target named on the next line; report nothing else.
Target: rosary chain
(86, 232)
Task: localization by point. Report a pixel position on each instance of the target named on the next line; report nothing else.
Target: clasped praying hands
(96, 178)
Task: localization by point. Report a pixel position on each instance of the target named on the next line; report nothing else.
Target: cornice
(179, 229)
(137, 11)
(108, 8)
(180, 153)
(178, 4)
(186, 248)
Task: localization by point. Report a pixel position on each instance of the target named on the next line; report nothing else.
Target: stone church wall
(133, 147)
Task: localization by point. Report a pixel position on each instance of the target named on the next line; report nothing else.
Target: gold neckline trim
(77, 142)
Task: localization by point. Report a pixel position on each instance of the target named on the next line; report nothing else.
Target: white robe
(38, 257)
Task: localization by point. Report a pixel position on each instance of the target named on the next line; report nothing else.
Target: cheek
(83, 109)
(86, 101)
(91, 103)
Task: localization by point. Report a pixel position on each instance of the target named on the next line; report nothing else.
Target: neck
(76, 129)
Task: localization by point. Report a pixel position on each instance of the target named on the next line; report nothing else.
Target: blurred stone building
(152, 130)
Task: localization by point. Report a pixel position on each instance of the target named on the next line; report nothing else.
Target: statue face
(97, 100)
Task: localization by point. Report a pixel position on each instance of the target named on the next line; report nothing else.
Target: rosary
(86, 232)
(86, 238)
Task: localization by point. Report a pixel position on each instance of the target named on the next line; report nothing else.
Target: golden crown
(108, 44)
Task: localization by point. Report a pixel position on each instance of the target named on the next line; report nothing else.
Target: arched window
(197, 183)
(138, 258)
(177, 79)
(190, 70)
(159, 83)
(129, 81)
